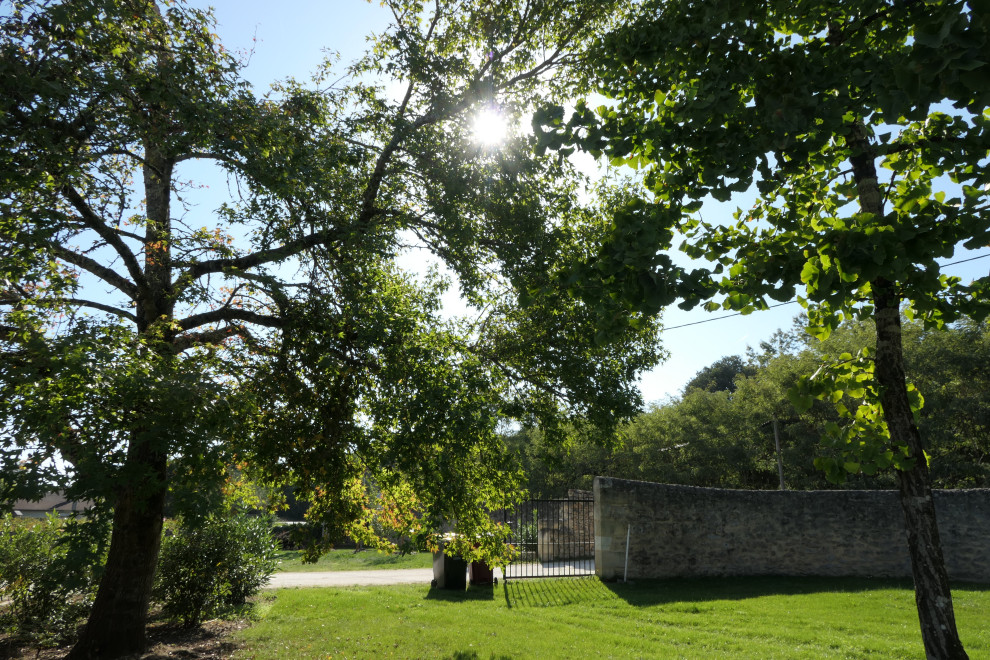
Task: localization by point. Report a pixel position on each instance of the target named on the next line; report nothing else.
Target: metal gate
(552, 538)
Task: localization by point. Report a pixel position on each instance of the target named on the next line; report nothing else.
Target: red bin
(481, 573)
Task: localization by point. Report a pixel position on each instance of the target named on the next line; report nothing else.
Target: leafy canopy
(798, 103)
(277, 332)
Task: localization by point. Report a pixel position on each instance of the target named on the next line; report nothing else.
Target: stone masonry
(566, 528)
(689, 531)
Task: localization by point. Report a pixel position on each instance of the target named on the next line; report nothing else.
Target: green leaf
(801, 401)
(856, 392)
(737, 301)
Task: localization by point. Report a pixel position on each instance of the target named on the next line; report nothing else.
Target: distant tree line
(719, 431)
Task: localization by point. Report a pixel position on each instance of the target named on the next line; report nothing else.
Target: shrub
(208, 567)
(49, 571)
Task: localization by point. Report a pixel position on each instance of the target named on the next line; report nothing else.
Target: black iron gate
(552, 538)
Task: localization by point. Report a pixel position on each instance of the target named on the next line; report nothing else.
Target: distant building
(53, 502)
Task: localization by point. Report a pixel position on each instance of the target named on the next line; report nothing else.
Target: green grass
(348, 560)
(585, 618)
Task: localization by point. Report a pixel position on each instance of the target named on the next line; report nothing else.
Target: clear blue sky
(289, 37)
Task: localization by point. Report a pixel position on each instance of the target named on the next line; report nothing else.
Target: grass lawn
(585, 618)
(348, 560)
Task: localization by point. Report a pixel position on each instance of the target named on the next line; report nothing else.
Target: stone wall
(688, 531)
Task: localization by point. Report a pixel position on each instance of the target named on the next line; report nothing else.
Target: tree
(724, 439)
(145, 343)
(803, 102)
(950, 368)
(720, 376)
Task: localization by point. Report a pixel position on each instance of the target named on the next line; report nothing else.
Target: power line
(791, 302)
(726, 316)
(982, 256)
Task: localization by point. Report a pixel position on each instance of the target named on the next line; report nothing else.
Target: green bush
(49, 571)
(208, 567)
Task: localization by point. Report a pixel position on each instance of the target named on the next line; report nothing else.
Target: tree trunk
(116, 625)
(931, 581)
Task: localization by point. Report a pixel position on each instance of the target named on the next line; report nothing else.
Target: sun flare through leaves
(489, 127)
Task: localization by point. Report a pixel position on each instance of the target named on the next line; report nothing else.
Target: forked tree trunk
(116, 624)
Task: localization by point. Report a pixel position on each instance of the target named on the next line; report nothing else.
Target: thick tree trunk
(931, 581)
(116, 625)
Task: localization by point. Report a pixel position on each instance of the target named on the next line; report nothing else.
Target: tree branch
(363, 145)
(229, 314)
(108, 275)
(82, 302)
(247, 261)
(119, 152)
(516, 373)
(838, 35)
(127, 234)
(215, 336)
(96, 223)
(109, 309)
(209, 155)
(421, 221)
(378, 174)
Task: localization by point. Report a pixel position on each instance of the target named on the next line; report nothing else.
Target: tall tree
(139, 333)
(952, 369)
(720, 376)
(807, 102)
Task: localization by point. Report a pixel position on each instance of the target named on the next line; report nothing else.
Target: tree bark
(116, 624)
(931, 581)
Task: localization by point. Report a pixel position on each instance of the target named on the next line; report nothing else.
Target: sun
(489, 127)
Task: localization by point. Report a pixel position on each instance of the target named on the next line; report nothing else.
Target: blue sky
(290, 37)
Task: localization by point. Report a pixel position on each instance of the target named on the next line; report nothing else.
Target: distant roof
(52, 502)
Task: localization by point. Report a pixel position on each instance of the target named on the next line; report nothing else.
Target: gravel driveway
(354, 578)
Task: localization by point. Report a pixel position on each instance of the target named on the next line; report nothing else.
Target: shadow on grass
(548, 592)
(552, 592)
(473, 592)
(658, 592)
(473, 655)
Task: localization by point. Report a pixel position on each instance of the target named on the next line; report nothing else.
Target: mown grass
(585, 618)
(348, 560)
